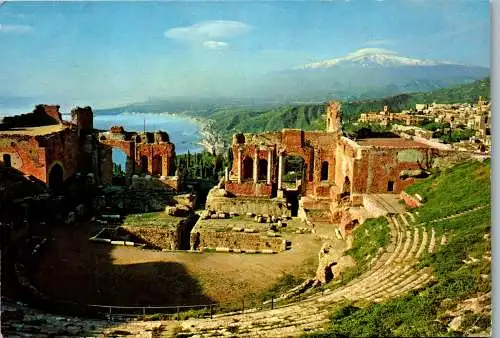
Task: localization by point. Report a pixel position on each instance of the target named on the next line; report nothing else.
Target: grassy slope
(423, 313)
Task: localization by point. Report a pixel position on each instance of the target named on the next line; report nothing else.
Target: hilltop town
(429, 120)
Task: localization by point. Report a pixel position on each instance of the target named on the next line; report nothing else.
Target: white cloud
(215, 44)
(208, 30)
(378, 42)
(15, 29)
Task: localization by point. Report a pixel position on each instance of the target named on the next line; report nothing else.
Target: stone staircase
(393, 274)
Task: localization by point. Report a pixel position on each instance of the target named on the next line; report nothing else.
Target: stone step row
(453, 215)
(392, 276)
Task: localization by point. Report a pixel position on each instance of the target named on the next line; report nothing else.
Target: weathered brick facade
(150, 153)
(335, 167)
(38, 142)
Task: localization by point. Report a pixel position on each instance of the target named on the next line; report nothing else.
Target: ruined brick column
(255, 163)
(129, 166)
(240, 169)
(280, 170)
(269, 165)
(164, 166)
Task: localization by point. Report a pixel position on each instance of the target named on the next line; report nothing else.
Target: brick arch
(307, 155)
(54, 163)
(55, 177)
(325, 170)
(126, 146)
(247, 170)
(262, 169)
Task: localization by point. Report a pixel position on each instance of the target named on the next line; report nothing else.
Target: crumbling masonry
(336, 170)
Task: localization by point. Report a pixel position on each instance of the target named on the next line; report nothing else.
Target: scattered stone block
(251, 251)
(71, 218)
(222, 215)
(250, 230)
(268, 251)
(221, 249)
(219, 192)
(80, 210)
(444, 241)
(238, 229)
(250, 214)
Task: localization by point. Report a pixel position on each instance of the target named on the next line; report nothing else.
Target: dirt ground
(74, 269)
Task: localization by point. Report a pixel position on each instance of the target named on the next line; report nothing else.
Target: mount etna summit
(368, 72)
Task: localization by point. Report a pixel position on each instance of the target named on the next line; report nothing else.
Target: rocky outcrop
(332, 261)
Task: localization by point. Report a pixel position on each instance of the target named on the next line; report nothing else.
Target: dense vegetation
(423, 313)
(201, 165)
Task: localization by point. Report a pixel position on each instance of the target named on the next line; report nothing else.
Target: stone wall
(243, 205)
(235, 241)
(260, 189)
(145, 194)
(157, 237)
(42, 115)
(170, 236)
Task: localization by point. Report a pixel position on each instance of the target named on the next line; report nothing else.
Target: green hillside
(231, 120)
(462, 266)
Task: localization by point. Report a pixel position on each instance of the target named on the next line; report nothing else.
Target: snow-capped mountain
(365, 73)
(373, 57)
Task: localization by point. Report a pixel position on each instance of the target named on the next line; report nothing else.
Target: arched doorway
(56, 177)
(247, 168)
(144, 164)
(262, 170)
(324, 171)
(293, 174)
(7, 160)
(294, 169)
(119, 158)
(157, 165)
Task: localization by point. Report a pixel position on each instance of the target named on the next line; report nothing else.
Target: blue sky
(111, 53)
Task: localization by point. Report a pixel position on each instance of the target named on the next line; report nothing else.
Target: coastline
(209, 137)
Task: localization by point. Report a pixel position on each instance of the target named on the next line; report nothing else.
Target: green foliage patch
(457, 276)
